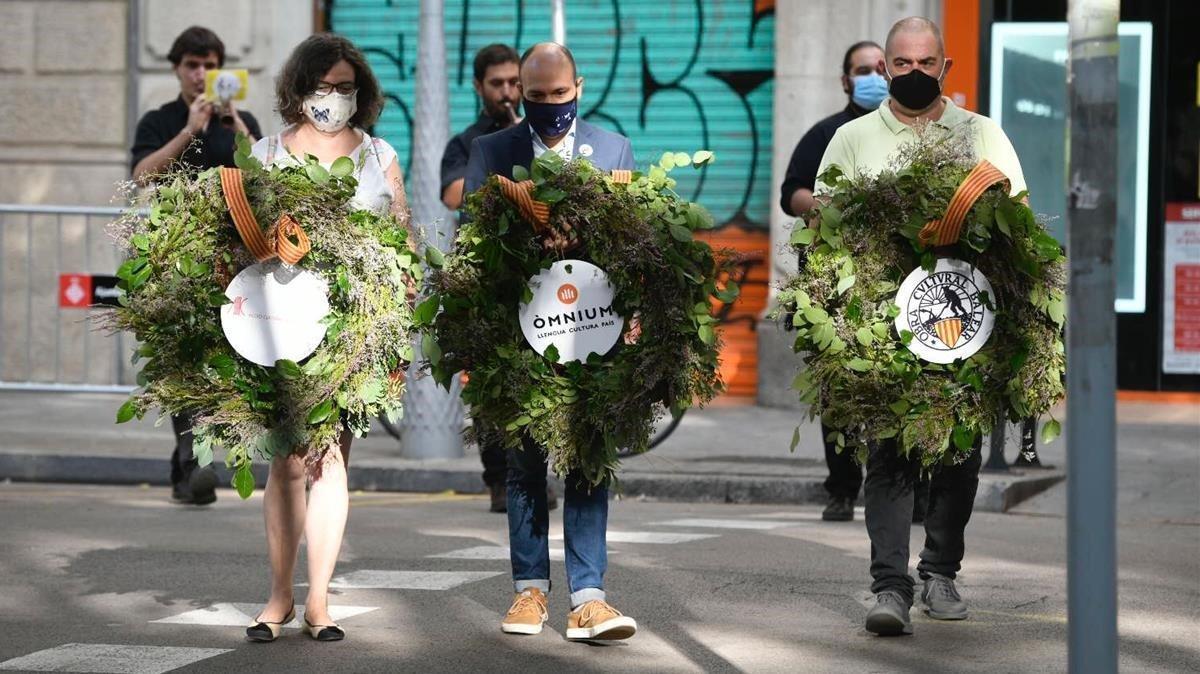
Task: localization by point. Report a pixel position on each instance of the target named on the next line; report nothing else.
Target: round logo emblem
(567, 293)
(944, 311)
(275, 313)
(571, 310)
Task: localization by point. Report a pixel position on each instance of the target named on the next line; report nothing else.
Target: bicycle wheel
(388, 427)
(663, 429)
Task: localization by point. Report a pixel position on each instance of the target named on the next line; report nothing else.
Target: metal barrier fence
(45, 346)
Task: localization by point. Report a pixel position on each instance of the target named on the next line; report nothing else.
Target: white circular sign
(572, 310)
(944, 311)
(275, 313)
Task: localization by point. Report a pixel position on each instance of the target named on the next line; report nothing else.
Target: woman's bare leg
(283, 511)
(328, 506)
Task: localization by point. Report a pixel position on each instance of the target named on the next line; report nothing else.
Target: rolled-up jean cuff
(522, 585)
(581, 597)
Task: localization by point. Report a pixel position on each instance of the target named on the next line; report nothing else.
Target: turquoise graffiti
(670, 75)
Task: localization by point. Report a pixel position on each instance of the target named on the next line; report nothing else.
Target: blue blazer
(497, 153)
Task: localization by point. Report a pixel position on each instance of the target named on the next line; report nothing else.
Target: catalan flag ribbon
(946, 231)
(521, 194)
(247, 226)
(537, 212)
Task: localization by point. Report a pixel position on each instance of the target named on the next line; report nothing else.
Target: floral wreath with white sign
(929, 302)
(546, 276)
(274, 331)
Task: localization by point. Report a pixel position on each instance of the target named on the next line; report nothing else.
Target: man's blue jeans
(585, 521)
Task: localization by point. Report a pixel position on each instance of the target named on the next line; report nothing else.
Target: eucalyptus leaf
(316, 173)
(342, 167)
(127, 411)
(1050, 431)
(680, 233)
(243, 481)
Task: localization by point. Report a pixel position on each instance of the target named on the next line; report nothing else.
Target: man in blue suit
(550, 89)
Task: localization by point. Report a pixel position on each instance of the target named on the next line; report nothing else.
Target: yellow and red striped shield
(949, 330)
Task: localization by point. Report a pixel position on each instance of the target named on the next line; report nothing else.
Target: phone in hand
(223, 86)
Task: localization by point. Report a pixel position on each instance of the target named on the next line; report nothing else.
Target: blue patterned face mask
(869, 90)
(551, 120)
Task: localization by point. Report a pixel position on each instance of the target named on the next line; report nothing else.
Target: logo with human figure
(946, 311)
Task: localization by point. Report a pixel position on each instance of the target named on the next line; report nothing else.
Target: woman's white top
(371, 161)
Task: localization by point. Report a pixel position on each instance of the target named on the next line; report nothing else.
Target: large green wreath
(860, 377)
(641, 234)
(184, 255)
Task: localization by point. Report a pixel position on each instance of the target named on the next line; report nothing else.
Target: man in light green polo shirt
(915, 65)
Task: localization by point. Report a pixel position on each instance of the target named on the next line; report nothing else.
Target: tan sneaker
(527, 613)
(597, 620)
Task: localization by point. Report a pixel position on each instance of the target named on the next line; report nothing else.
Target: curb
(996, 493)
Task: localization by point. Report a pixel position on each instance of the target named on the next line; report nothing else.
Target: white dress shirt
(565, 147)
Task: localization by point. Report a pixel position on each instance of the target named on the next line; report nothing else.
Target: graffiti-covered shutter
(672, 75)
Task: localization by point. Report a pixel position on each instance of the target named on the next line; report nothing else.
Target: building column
(811, 38)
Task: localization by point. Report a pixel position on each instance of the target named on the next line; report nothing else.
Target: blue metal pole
(1091, 335)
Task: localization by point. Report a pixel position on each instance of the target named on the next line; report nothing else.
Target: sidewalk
(729, 452)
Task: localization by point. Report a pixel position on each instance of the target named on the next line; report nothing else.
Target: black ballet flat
(264, 631)
(324, 632)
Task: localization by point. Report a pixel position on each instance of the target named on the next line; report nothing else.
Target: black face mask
(915, 90)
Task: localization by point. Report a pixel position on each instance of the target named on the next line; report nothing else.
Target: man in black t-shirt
(866, 89)
(188, 132)
(496, 77)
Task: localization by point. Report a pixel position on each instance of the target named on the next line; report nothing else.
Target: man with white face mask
(915, 64)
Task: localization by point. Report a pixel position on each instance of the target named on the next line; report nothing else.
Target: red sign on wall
(1181, 289)
(74, 291)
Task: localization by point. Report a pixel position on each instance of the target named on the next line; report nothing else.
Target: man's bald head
(549, 55)
(911, 27)
(548, 74)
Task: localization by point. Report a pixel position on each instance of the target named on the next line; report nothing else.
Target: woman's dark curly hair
(308, 64)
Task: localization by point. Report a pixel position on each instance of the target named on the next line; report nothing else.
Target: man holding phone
(189, 130)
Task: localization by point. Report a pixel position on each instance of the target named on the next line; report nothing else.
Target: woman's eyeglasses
(344, 88)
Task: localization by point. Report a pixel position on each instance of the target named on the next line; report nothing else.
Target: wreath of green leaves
(184, 255)
(860, 377)
(641, 235)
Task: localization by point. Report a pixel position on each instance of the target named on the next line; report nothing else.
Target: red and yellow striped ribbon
(537, 212)
(521, 194)
(946, 231)
(286, 226)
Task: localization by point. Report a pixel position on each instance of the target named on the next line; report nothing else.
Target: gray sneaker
(942, 600)
(889, 616)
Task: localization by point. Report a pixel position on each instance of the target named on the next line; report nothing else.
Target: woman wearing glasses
(326, 94)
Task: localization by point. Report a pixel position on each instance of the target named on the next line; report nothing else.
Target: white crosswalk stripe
(110, 659)
(372, 579)
(652, 537)
(761, 525)
(238, 615)
(491, 552)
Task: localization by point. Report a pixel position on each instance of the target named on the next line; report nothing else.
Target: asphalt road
(117, 579)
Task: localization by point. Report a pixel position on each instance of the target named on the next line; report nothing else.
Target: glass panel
(1029, 100)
